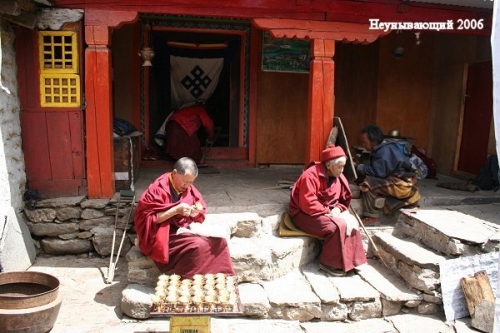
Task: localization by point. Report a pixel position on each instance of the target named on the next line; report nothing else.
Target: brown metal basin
(29, 302)
(20, 290)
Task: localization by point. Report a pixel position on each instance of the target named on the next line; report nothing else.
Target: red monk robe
(181, 137)
(310, 200)
(184, 254)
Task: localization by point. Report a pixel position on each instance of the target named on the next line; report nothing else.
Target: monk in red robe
(319, 205)
(172, 202)
(182, 129)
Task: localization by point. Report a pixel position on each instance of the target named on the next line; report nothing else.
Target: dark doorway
(223, 106)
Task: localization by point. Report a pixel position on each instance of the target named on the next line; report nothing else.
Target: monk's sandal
(332, 271)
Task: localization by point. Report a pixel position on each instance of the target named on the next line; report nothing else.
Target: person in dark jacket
(388, 182)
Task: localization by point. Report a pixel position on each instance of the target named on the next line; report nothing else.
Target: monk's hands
(184, 209)
(187, 210)
(195, 209)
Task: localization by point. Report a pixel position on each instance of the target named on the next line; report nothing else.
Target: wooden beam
(339, 31)
(10, 7)
(25, 19)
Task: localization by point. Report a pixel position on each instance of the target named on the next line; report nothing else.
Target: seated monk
(319, 205)
(388, 182)
(172, 202)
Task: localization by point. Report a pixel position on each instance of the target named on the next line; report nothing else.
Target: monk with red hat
(319, 205)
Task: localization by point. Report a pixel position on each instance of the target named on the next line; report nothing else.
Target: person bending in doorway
(172, 202)
(181, 132)
(319, 205)
(388, 182)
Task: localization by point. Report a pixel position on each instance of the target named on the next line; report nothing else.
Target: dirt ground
(89, 304)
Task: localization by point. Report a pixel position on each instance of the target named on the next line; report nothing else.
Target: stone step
(308, 294)
(258, 258)
(269, 257)
(417, 265)
(256, 251)
(395, 293)
(449, 232)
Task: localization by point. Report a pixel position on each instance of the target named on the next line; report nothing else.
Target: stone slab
(291, 290)
(353, 288)
(410, 323)
(487, 212)
(453, 270)
(291, 298)
(320, 284)
(253, 299)
(407, 250)
(390, 286)
(269, 257)
(136, 301)
(365, 326)
(244, 224)
(256, 325)
(454, 224)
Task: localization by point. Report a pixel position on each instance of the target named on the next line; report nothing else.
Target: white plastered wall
(12, 168)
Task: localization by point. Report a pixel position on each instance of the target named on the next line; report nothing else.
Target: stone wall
(12, 173)
(76, 225)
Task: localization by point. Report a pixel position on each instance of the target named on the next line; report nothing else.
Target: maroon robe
(311, 199)
(184, 254)
(181, 137)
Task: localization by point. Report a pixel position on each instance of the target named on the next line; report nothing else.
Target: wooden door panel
(60, 142)
(282, 118)
(477, 117)
(35, 146)
(54, 152)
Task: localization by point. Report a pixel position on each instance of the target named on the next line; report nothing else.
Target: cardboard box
(189, 324)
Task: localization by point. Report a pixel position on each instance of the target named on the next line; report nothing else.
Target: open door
(474, 134)
(172, 87)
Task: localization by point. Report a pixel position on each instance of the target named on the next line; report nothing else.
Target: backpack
(122, 127)
(488, 177)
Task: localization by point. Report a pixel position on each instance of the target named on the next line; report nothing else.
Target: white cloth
(350, 221)
(193, 80)
(207, 230)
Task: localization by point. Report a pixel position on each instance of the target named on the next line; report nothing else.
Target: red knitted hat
(331, 153)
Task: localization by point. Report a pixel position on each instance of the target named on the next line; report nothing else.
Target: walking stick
(375, 248)
(130, 197)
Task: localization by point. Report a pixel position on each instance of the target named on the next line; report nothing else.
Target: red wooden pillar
(321, 102)
(99, 99)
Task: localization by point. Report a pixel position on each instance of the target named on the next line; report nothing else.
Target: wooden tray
(180, 312)
(216, 310)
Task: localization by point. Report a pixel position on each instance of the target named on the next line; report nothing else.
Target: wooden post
(477, 289)
(321, 98)
(480, 301)
(99, 111)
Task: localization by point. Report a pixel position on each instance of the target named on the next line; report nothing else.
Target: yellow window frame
(60, 90)
(59, 72)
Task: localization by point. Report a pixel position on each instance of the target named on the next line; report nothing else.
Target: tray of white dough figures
(208, 294)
